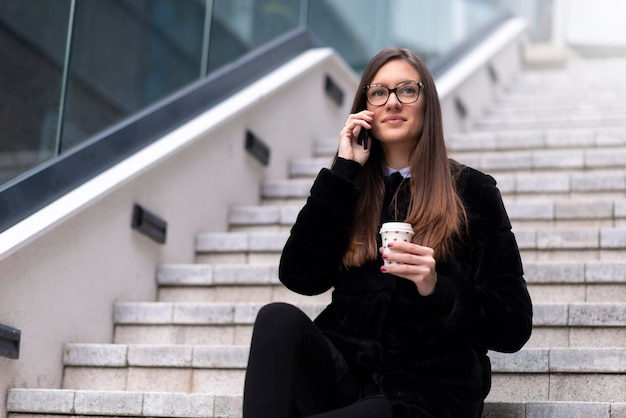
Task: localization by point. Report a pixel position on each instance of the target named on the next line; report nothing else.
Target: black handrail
(47, 182)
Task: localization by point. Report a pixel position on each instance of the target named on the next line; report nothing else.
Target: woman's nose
(393, 101)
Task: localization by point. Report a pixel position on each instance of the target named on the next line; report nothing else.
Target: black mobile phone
(363, 138)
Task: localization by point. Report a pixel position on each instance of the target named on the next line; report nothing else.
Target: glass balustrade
(71, 69)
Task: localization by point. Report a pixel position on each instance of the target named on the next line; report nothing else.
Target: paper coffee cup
(394, 231)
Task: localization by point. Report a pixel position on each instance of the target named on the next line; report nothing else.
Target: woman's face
(396, 123)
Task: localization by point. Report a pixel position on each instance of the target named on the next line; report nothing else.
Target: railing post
(58, 148)
(206, 38)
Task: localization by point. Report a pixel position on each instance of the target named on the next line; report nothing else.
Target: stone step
(491, 141)
(570, 291)
(564, 185)
(278, 293)
(195, 313)
(583, 314)
(531, 374)
(527, 360)
(555, 97)
(585, 324)
(216, 274)
(155, 368)
(587, 112)
(578, 160)
(240, 247)
(563, 387)
(592, 243)
(286, 189)
(263, 215)
(517, 161)
(547, 282)
(545, 95)
(586, 77)
(589, 244)
(606, 184)
(548, 121)
(571, 238)
(195, 275)
(221, 370)
(554, 409)
(559, 324)
(575, 212)
(510, 140)
(31, 403)
(599, 282)
(222, 357)
(267, 293)
(513, 110)
(550, 100)
(235, 283)
(548, 213)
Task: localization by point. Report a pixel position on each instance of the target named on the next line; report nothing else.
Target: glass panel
(32, 48)
(239, 26)
(127, 55)
(358, 29)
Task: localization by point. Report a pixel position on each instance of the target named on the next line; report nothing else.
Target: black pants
(292, 372)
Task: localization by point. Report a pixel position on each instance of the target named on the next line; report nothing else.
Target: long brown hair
(435, 210)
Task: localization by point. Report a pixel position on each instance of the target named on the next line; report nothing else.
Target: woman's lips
(393, 120)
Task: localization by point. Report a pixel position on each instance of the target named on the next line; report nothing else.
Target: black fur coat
(427, 355)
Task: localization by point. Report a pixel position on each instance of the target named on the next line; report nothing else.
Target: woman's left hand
(415, 263)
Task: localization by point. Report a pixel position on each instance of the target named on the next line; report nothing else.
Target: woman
(408, 339)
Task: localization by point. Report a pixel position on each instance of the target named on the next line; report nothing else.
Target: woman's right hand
(348, 146)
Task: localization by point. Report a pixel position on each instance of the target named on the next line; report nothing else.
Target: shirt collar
(405, 172)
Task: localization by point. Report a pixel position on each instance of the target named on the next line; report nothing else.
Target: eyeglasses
(407, 92)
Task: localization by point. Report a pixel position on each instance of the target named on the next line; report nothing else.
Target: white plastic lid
(396, 227)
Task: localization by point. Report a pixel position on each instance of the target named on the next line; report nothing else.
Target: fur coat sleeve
(310, 261)
(490, 306)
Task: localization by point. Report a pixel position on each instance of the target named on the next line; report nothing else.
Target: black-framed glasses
(407, 92)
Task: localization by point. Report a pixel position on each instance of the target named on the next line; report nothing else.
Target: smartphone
(363, 138)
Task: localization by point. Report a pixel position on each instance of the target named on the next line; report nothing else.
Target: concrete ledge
(527, 360)
(523, 183)
(528, 239)
(545, 55)
(30, 401)
(560, 360)
(539, 272)
(103, 403)
(163, 313)
(210, 275)
(533, 139)
(281, 188)
(240, 241)
(553, 410)
(584, 314)
(575, 209)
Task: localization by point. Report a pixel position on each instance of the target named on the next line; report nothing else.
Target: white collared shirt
(405, 172)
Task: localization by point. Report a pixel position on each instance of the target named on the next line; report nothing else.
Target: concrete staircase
(556, 143)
